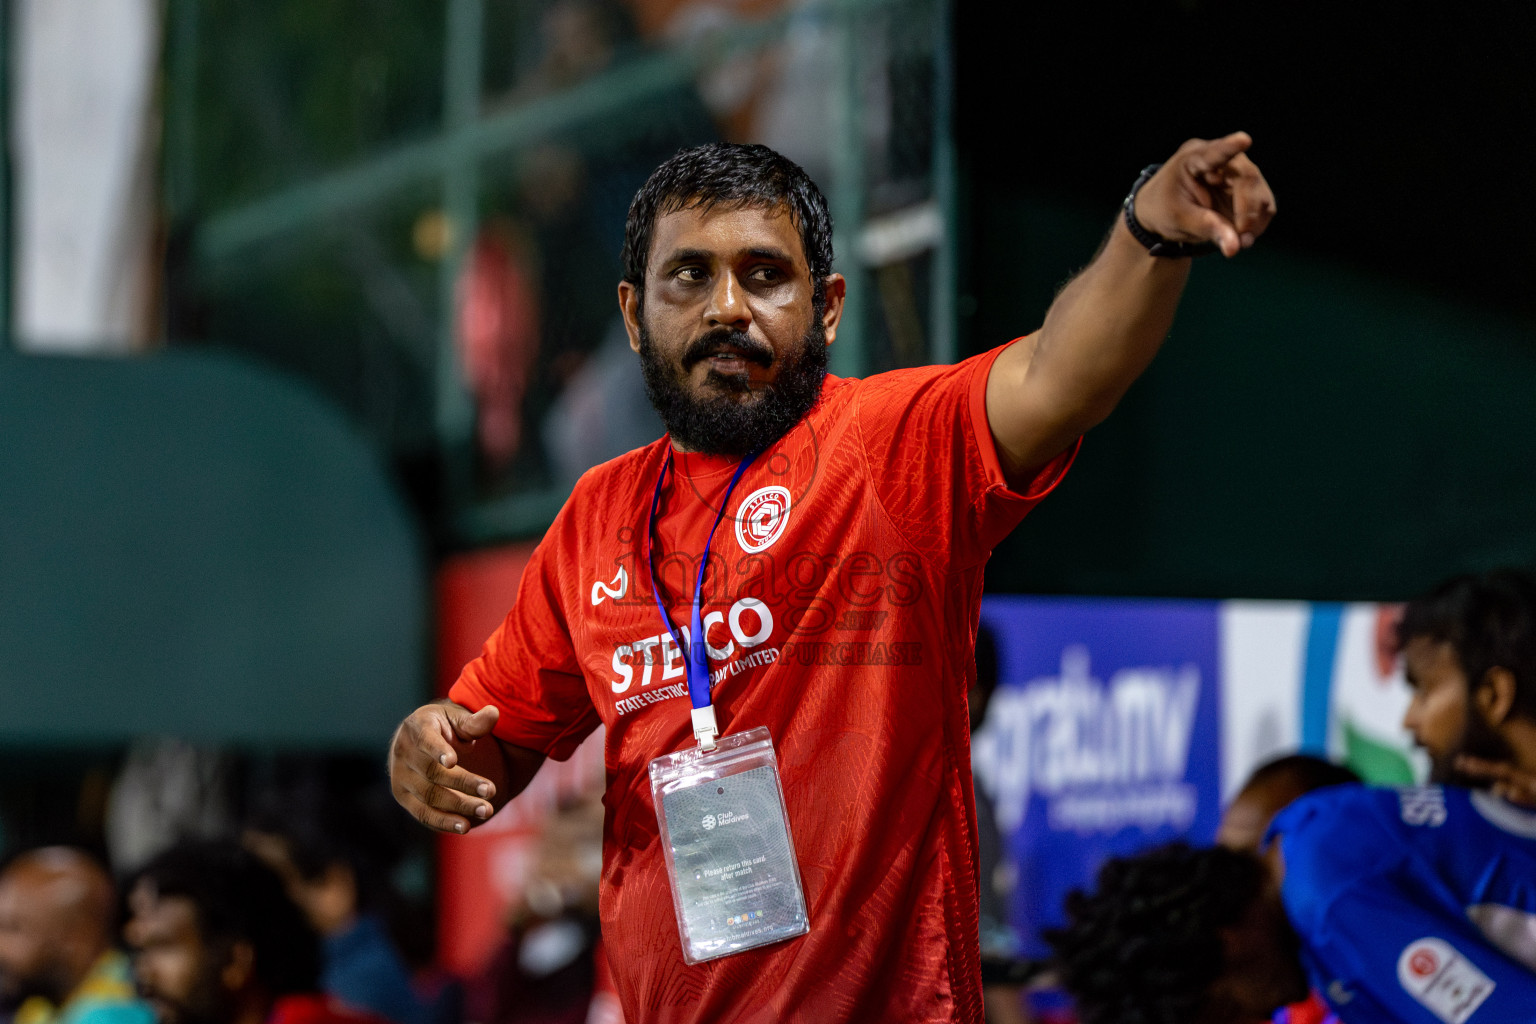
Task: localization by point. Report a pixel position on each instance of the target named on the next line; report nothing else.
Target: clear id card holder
(725, 834)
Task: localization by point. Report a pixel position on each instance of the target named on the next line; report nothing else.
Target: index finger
(1218, 152)
(1253, 203)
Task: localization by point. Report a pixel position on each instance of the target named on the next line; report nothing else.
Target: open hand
(424, 770)
(1208, 191)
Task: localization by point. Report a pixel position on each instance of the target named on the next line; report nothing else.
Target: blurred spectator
(498, 338)
(1397, 904)
(168, 790)
(333, 865)
(535, 295)
(782, 95)
(1269, 790)
(580, 38)
(57, 917)
(217, 941)
(1469, 653)
(602, 413)
(1002, 995)
(548, 970)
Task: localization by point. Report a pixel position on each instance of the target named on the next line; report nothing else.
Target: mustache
(749, 348)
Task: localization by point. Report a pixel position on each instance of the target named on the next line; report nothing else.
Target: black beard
(724, 424)
(1480, 740)
(207, 1003)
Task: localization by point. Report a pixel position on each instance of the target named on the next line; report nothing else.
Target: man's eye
(768, 275)
(690, 274)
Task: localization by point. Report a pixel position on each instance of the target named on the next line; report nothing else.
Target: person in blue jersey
(1400, 906)
(1469, 654)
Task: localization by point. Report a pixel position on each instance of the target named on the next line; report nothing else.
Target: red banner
(481, 875)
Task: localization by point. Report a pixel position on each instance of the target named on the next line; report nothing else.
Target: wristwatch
(1156, 244)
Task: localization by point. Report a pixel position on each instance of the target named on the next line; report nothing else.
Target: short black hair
(731, 175)
(1306, 771)
(240, 899)
(1146, 947)
(1490, 622)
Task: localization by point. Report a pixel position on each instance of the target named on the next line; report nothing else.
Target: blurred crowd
(544, 352)
(293, 904)
(295, 917)
(305, 898)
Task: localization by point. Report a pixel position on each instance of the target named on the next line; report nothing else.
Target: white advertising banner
(1118, 724)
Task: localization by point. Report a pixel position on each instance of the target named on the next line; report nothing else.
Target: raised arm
(1107, 324)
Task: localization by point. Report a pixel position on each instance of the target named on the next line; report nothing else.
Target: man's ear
(629, 308)
(832, 314)
(240, 970)
(1495, 695)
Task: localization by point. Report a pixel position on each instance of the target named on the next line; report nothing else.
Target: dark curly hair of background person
(1146, 946)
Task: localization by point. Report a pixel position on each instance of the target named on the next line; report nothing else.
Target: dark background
(1344, 412)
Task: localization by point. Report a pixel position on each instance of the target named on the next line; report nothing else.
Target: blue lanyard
(697, 662)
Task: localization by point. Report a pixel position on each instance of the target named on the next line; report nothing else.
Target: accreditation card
(730, 859)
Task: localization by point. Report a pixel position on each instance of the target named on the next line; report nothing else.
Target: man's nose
(727, 304)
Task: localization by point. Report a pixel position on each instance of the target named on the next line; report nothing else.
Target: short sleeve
(1381, 942)
(1387, 945)
(528, 668)
(934, 463)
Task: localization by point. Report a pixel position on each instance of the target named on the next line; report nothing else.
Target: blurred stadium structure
(426, 223)
(363, 253)
(412, 211)
(364, 256)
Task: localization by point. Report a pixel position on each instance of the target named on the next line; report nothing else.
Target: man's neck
(254, 1007)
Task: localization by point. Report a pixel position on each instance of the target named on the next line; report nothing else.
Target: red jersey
(841, 603)
(317, 1008)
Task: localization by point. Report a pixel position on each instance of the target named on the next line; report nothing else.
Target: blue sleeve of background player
(1379, 956)
(1385, 934)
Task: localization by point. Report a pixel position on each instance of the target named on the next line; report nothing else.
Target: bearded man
(1469, 655)
(838, 607)
(57, 962)
(216, 940)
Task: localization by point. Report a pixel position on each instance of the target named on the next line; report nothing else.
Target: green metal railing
(453, 158)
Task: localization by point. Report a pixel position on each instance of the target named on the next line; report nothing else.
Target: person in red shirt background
(840, 600)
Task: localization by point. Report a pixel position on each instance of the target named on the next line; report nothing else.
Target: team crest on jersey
(1448, 984)
(761, 518)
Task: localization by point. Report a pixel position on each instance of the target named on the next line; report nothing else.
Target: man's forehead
(161, 916)
(727, 228)
(30, 889)
(1427, 654)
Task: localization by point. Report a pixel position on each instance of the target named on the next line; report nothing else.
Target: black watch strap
(1156, 244)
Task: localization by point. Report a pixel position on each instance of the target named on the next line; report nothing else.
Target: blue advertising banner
(1103, 738)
